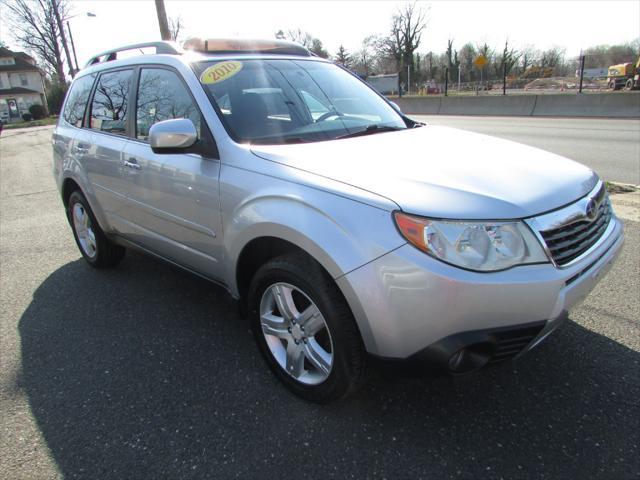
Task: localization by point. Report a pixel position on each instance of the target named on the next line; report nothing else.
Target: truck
(624, 75)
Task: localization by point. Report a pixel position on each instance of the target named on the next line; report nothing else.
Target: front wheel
(305, 329)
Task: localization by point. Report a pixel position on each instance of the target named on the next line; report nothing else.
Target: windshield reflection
(293, 101)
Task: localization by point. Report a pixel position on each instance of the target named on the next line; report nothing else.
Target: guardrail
(619, 105)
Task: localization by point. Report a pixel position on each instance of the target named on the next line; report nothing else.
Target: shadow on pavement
(147, 372)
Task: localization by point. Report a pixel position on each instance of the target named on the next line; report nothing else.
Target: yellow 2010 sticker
(220, 72)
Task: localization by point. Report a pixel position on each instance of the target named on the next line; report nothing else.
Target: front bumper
(406, 301)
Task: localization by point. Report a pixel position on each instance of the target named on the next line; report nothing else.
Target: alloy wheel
(296, 333)
(84, 230)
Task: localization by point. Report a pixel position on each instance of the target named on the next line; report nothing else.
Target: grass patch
(614, 188)
(32, 123)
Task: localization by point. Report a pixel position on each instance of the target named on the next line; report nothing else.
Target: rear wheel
(612, 85)
(305, 330)
(94, 245)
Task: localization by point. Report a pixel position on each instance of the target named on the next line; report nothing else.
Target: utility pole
(581, 71)
(504, 78)
(162, 20)
(408, 79)
(63, 36)
(446, 81)
(73, 47)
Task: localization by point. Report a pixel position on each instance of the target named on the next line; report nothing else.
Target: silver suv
(348, 230)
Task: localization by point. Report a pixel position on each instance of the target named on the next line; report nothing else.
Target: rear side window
(110, 102)
(77, 100)
(162, 96)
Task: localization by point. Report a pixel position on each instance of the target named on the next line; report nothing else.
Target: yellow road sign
(480, 61)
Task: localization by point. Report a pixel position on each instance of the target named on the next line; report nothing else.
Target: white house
(21, 85)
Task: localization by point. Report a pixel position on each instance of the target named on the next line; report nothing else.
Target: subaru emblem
(591, 211)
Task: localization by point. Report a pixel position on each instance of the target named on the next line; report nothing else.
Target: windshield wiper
(375, 128)
(278, 141)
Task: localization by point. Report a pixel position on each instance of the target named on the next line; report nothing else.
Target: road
(609, 146)
(147, 372)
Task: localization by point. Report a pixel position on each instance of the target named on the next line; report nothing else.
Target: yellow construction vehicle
(624, 75)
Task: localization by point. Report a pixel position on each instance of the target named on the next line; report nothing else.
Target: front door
(172, 198)
(102, 145)
(14, 113)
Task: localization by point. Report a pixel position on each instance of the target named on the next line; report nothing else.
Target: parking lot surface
(147, 372)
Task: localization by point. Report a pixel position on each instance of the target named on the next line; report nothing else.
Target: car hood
(444, 172)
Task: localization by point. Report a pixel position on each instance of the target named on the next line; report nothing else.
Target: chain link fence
(582, 74)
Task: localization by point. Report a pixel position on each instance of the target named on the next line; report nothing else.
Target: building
(21, 85)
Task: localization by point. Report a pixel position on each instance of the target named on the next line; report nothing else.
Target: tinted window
(109, 106)
(162, 96)
(77, 100)
(291, 101)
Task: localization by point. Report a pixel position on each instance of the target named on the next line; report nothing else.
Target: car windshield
(293, 101)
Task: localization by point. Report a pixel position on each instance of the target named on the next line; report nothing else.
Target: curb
(619, 188)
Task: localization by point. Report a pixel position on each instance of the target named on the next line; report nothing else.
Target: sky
(574, 24)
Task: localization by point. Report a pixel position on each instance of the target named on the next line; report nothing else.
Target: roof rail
(170, 48)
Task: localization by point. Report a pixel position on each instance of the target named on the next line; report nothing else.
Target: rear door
(173, 198)
(70, 139)
(106, 139)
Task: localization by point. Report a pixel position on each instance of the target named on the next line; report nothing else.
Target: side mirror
(170, 135)
(396, 107)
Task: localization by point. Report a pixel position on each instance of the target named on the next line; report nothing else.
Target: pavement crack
(29, 193)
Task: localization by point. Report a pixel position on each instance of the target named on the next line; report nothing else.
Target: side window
(109, 106)
(77, 100)
(162, 96)
(315, 106)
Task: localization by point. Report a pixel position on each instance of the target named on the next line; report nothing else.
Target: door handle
(132, 163)
(82, 148)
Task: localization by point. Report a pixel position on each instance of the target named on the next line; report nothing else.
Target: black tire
(107, 254)
(348, 369)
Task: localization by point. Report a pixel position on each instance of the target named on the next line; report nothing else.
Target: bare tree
(529, 58)
(405, 36)
(300, 36)
(552, 57)
(176, 26)
(508, 59)
(485, 50)
(306, 40)
(466, 55)
(412, 23)
(391, 46)
(36, 29)
(606, 55)
(453, 62)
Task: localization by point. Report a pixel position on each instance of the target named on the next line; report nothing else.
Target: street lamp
(73, 46)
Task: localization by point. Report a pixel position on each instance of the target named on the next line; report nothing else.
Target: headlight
(481, 246)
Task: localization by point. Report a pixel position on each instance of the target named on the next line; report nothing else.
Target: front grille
(568, 242)
(510, 343)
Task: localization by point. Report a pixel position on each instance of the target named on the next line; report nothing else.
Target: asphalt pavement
(609, 146)
(144, 371)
